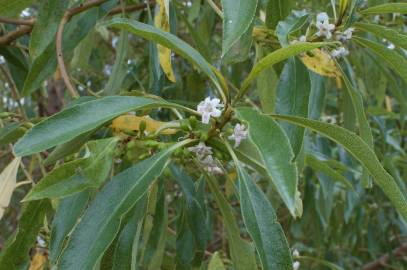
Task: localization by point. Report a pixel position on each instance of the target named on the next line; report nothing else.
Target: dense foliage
(203, 134)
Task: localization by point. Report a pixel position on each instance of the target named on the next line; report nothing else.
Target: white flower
(340, 52)
(323, 16)
(107, 70)
(324, 27)
(302, 38)
(296, 265)
(296, 253)
(210, 165)
(391, 46)
(209, 107)
(2, 60)
(346, 35)
(239, 134)
(41, 242)
(201, 150)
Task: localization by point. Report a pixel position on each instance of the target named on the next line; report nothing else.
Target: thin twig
(130, 8)
(60, 57)
(9, 37)
(215, 8)
(382, 261)
(14, 91)
(17, 21)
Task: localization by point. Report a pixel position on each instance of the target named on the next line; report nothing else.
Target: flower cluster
(327, 30)
(239, 134)
(210, 108)
(204, 155)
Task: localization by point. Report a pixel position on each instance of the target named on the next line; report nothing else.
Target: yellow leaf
(216, 262)
(8, 180)
(132, 122)
(38, 261)
(321, 63)
(162, 21)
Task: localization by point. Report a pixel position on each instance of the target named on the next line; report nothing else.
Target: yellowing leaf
(132, 122)
(162, 21)
(321, 63)
(216, 262)
(7, 184)
(38, 261)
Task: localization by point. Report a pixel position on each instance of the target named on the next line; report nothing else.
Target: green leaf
(321, 166)
(276, 57)
(262, 225)
(67, 148)
(363, 123)
(194, 212)
(277, 10)
(16, 253)
(76, 120)
(397, 62)
(100, 223)
(46, 25)
(120, 66)
(292, 99)
(17, 63)
(242, 252)
(63, 181)
(361, 152)
(386, 8)
(266, 85)
(395, 37)
(216, 262)
(274, 148)
(75, 176)
(155, 247)
(67, 215)
(11, 133)
(125, 242)
(291, 24)
(8, 180)
(167, 40)
(238, 16)
(13, 8)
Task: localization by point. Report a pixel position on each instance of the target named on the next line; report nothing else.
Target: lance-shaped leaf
(8, 179)
(387, 8)
(277, 10)
(16, 253)
(397, 38)
(45, 28)
(361, 152)
(293, 95)
(397, 62)
(73, 177)
(241, 251)
(162, 21)
(276, 57)
(67, 215)
(261, 223)
(101, 221)
(273, 146)
(167, 40)
(76, 120)
(238, 16)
